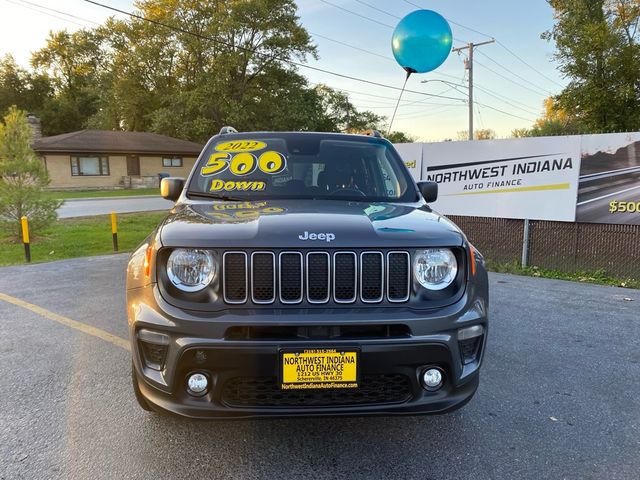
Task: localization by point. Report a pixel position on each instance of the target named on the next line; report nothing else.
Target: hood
(298, 224)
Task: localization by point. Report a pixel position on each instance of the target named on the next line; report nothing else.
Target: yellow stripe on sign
(82, 327)
(538, 188)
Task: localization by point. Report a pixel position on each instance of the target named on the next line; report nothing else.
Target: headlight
(435, 268)
(190, 269)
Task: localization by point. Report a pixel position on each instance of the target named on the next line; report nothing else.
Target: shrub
(23, 177)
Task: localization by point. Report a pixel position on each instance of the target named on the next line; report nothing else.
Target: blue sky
(504, 82)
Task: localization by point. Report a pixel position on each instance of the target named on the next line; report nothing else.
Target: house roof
(109, 141)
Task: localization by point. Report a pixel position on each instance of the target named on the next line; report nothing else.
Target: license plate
(319, 368)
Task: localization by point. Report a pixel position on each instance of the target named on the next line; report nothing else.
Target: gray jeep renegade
(304, 274)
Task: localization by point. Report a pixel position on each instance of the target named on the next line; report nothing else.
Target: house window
(172, 161)
(89, 166)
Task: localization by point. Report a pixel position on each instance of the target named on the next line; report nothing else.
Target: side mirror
(171, 188)
(429, 191)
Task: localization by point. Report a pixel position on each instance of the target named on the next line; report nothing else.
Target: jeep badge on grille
(327, 237)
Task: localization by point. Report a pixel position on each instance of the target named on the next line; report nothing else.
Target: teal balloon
(422, 41)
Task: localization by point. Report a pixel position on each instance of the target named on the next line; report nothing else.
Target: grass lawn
(81, 237)
(599, 277)
(67, 194)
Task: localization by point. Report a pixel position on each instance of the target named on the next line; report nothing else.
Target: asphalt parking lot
(559, 396)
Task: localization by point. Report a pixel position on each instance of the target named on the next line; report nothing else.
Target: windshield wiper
(226, 198)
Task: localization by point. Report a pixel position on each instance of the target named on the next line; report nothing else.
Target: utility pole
(469, 66)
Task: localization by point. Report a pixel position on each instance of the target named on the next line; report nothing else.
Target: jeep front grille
(345, 277)
(291, 277)
(235, 284)
(317, 277)
(263, 275)
(372, 268)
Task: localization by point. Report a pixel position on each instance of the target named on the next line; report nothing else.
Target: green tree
(555, 121)
(400, 137)
(480, 134)
(28, 90)
(74, 63)
(341, 115)
(23, 177)
(597, 51)
(230, 69)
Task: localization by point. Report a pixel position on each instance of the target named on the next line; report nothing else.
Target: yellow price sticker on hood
(218, 185)
(240, 146)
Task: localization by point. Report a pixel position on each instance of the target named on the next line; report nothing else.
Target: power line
(488, 92)
(528, 65)
(480, 116)
(264, 55)
(352, 46)
(439, 93)
(495, 95)
(420, 102)
(371, 19)
(510, 80)
(451, 21)
(406, 105)
(394, 99)
(428, 103)
(435, 111)
(355, 91)
(356, 14)
(503, 112)
(378, 9)
(369, 52)
(46, 13)
(505, 99)
(515, 74)
(60, 12)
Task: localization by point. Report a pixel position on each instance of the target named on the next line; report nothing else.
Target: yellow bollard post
(114, 231)
(25, 239)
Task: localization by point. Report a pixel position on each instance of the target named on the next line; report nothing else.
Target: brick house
(112, 159)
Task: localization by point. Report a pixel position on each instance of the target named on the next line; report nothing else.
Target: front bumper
(243, 373)
(225, 365)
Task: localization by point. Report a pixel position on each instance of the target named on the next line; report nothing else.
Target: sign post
(25, 239)
(114, 231)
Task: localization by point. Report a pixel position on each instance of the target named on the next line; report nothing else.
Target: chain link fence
(564, 246)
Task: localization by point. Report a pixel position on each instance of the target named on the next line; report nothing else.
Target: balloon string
(409, 72)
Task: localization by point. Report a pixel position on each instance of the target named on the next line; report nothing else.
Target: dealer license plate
(319, 368)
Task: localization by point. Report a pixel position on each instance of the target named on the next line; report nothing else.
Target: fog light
(197, 384)
(432, 379)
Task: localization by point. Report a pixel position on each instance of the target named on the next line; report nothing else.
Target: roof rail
(372, 133)
(226, 130)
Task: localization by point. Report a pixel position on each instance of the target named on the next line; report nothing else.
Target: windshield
(294, 165)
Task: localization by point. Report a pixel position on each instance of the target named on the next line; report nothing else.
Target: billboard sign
(411, 154)
(609, 189)
(532, 178)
